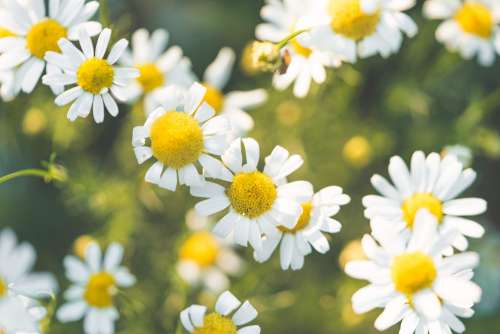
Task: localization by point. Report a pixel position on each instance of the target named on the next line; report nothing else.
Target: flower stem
(288, 38)
(26, 172)
(104, 12)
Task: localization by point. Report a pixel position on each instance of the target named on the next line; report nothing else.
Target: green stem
(290, 37)
(25, 172)
(104, 12)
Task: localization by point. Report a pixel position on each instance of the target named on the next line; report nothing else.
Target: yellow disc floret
(94, 75)
(252, 194)
(176, 139)
(201, 248)
(100, 290)
(303, 221)
(214, 97)
(150, 78)
(44, 36)
(412, 272)
(348, 19)
(215, 323)
(475, 18)
(3, 288)
(421, 201)
(299, 49)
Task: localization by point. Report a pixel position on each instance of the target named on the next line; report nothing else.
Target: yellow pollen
(349, 20)
(412, 272)
(215, 323)
(303, 221)
(6, 33)
(214, 97)
(176, 139)
(94, 75)
(201, 248)
(150, 77)
(100, 290)
(252, 194)
(475, 18)
(299, 49)
(44, 36)
(3, 288)
(421, 201)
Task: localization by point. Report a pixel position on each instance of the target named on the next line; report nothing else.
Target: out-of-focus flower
(205, 259)
(357, 151)
(81, 244)
(34, 122)
(413, 282)
(305, 63)
(95, 283)
(157, 69)
(94, 76)
(462, 153)
(470, 27)
(15, 317)
(352, 251)
(352, 28)
(258, 201)
(183, 133)
(266, 56)
(315, 220)
(32, 33)
(433, 184)
(196, 320)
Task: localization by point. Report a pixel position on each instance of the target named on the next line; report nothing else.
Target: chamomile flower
(352, 28)
(204, 259)
(306, 64)
(181, 134)
(432, 183)
(196, 320)
(296, 242)
(15, 317)
(93, 76)
(234, 104)
(158, 68)
(413, 282)
(471, 27)
(33, 31)
(257, 201)
(95, 283)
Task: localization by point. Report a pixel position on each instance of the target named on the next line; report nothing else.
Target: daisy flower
(182, 133)
(157, 67)
(352, 28)
(32, 32)
(234, 104)
(413, 282)
(16, 318)
(257, 201)
(94, 77)
(196, 320)
(95, 283)
(306, 64)
(296, 242)
(432, 183)
(204, 259)
(471, 27)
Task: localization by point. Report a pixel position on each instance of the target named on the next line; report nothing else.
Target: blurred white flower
(195, 320)
(95, 283)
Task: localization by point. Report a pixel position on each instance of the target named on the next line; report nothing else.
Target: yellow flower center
(475, 18)
(201, 248)
(303, 219)
(421, 201)
(6, 33)
(215, 323)
(214, 97)
(176, 139)
(299, 49)
(44, 36)
(3, 288)
(100, 290)
(348, 19)
(151, 77)
(412, 272)
(94, 75)
(252, 194)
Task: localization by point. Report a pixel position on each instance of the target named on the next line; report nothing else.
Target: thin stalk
(104, 13)
(288, 38)
(25, 172)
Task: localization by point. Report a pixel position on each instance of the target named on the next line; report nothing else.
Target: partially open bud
(265, 56)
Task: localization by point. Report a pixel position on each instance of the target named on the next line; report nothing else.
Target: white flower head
(195, 318)
(362, 28)
(413, 282)
(470, 27)
(432, 183)
(158, 68)
(257, 201)
(29, 30)
(95, 283)
(16, 317)
(95, 77)
(182, 134)
(298, 242)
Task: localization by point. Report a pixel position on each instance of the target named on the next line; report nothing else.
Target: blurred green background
(422, 98)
